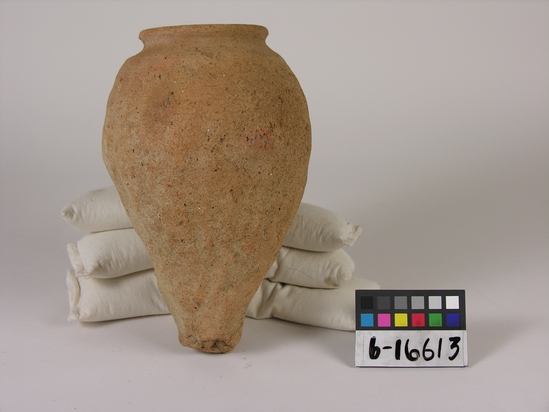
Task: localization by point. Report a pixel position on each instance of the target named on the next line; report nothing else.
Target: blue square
(452, 319)
(367, 320)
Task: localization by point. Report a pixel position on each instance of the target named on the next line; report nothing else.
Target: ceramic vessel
(207, 139)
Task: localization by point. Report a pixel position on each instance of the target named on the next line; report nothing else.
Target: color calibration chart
(410, 328)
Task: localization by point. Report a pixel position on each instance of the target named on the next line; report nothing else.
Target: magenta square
(383, 320)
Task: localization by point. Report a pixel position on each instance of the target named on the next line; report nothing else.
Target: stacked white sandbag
(112, 275)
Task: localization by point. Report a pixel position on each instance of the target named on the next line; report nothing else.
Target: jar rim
(158, 35)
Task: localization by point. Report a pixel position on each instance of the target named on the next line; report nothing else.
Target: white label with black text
(411, 348)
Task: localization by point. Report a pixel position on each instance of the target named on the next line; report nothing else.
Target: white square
(452, 302)
(435, 302)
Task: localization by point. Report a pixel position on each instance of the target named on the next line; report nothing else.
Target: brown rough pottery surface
(207, 139)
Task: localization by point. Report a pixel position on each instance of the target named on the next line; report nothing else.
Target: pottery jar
(207, 139)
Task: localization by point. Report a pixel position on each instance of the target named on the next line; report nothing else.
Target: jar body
(207, 139)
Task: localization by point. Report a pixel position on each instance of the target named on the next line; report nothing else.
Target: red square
(418, 319)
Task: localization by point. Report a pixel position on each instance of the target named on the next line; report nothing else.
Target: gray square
(435, 302)
(418, 302)
(401, 302)
(383, 302)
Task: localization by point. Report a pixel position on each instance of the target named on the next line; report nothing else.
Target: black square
(366, 302)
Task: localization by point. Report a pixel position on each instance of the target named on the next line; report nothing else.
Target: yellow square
(401, 320)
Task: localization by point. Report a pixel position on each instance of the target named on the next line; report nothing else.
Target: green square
(435, 319)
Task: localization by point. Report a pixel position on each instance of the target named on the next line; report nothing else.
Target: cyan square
(367, 320)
